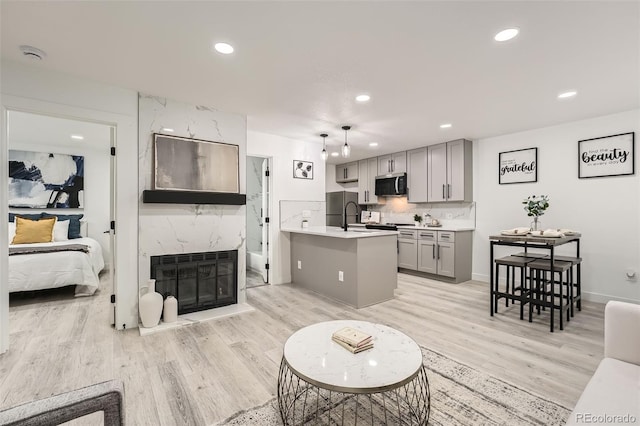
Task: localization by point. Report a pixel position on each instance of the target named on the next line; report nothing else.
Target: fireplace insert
(199, 281)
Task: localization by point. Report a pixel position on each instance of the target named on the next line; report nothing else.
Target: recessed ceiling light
(363, 98)
(224, 48)
(77, 137)
(445, 126)
(507, 34)
(569, 94)
(167, 129)
(335, 154)
(373, 144)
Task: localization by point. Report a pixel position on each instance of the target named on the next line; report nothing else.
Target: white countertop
(337, 232)
(452, 228)
(313, 356)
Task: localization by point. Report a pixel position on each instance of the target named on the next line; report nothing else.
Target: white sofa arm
(622, 332)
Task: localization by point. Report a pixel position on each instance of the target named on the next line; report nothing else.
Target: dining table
(528, 241)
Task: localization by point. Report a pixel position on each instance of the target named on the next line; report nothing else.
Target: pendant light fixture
(324, 153)
(346, 149)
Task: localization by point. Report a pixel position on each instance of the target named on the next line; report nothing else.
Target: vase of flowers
(535, 207)
(417, 220)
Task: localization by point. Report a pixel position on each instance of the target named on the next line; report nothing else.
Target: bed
(57, 269)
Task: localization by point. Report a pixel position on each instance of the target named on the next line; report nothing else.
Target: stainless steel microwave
(391, 184)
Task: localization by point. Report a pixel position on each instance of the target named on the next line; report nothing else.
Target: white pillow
(12, 231)
(61, 230)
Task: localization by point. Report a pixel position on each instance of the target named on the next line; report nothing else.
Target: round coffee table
(320, 382)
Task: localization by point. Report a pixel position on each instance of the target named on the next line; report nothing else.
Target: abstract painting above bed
(44, 180)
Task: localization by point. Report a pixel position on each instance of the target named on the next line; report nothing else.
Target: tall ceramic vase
(150, 306)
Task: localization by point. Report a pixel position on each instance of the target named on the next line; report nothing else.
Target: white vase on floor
(170, 313)
(150, 306)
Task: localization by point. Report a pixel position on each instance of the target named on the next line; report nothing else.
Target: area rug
(460, 395)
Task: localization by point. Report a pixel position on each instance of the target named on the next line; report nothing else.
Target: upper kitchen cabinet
(347, 172)
(392, 163)
(367, 171)
(417, 176)
(450, 171)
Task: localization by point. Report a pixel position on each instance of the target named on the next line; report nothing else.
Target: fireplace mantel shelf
(192, 197)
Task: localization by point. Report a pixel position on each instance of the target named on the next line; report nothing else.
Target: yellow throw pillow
(34, 231)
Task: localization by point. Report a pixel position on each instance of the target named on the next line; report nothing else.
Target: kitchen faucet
(346, 226)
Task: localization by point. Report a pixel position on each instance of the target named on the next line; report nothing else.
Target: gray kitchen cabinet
(446, 259)
(417, 176)
(367, 171)
(427, 261)
(446, 254)
(392, 163)
(427, 251)
(407, 249)
(450, 171)
(347, 172)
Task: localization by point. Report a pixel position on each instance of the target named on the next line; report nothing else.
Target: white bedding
(50, 270)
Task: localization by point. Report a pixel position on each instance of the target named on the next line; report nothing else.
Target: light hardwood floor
(201, 374)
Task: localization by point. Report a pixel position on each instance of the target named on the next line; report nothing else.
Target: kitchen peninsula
(357, 267)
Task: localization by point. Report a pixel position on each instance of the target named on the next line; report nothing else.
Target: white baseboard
(586, 295)
(480, 277)
(604, 298)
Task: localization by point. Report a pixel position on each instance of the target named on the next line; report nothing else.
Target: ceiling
(297, 66)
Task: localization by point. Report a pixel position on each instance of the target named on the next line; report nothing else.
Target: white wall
(97, 163)
(33, 89)
(180, 228)
(283, 152)
(605, 210)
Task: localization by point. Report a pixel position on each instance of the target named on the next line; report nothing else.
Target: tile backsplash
(399, 210)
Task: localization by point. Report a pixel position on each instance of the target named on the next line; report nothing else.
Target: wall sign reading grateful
(606, 156)
(520, 166)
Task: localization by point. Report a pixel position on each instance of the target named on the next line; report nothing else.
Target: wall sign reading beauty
(606, 156)
(520, 166)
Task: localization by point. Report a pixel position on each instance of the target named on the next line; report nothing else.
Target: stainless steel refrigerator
(335, 207)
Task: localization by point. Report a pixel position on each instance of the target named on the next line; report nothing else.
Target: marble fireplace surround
(180, 228)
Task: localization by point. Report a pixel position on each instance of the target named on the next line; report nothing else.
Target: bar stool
(511, 263)
(539, 294)
(576, 299)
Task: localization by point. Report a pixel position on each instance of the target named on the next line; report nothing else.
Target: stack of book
(353, 340)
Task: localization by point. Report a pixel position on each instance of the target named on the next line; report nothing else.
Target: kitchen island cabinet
(358, 267)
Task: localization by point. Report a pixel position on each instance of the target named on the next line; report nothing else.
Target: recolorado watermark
(588, 418)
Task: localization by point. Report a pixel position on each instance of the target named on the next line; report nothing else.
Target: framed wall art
(302, 169)
(606, 156)
(519, 166)
(185, 164)
(42, 180)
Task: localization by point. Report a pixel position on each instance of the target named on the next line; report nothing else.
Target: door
(455, 171)
(265, 219)
(446, 259)
(437, 172)
(111, 231)
(427, 261)
(417, 175)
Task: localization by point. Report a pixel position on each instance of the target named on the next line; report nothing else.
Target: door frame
(271, 228)
(126, 208)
